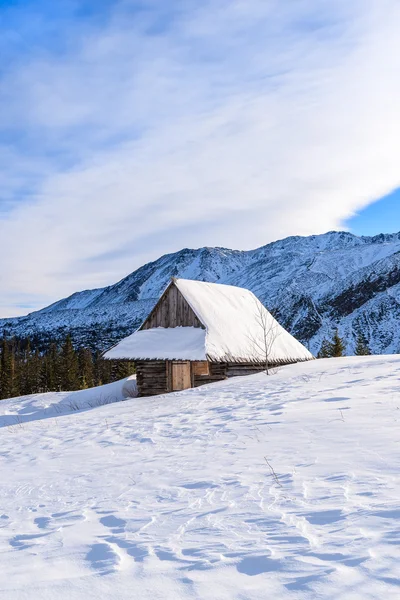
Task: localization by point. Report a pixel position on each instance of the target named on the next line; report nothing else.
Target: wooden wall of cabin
(154, 376)
(220, 371)
(172, 310)
(151, 377)
(213, 372)
(236, 369)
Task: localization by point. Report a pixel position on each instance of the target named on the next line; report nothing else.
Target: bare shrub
(269, 331)
(102, 400)
(274, 475)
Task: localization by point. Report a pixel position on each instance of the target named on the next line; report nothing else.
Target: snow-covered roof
(179, 343)
(238, 328)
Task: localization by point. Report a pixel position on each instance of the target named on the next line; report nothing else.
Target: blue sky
(132, 128)
(383, 216)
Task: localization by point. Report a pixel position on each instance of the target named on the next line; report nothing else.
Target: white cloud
(234, 124)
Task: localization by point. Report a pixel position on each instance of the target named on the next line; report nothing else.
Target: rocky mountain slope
(312, 284)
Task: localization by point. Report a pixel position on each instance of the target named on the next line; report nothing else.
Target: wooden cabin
(201, 332)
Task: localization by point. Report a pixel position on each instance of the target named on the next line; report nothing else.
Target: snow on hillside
(258, 487)
(21, 411)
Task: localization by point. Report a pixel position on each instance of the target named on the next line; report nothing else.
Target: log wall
(151, 377)
(236, 369)
(155, 376)
(172, 310)
(216, 372)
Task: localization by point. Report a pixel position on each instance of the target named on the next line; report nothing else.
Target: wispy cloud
(234, 123)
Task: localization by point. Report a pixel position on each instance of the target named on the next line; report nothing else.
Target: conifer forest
(27, 368)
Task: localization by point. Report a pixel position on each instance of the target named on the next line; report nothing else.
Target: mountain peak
(312, 283)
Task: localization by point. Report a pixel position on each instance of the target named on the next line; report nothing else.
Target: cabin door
(181, 376)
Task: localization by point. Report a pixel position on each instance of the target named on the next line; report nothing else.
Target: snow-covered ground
(255, 488)
(36, 407)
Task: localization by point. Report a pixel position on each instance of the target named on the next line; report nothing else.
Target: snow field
(17, 412)
(258, 487)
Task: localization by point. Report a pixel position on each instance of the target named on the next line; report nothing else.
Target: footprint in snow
(57, 520)
(21, 542)
(102, 558)
(114, 523)
(344, 559)
(42, 522)
(198, 485)
(138, 553)
(302, 583)
(255, 565)
(335, 399)
(325, 517)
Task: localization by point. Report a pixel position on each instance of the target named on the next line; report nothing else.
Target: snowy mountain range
(311, 284)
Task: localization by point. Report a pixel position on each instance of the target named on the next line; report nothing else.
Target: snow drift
(19, 411)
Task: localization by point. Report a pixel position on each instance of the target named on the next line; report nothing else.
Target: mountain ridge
(313, 284)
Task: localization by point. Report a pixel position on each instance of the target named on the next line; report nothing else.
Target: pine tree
(32, 368)
(69, 366)
(326, 349)
(105, 370)
(85, 360)
(362, 347)
(97, 369)
(37, 366)
(26, 371)
(333, 348)
(337, 345)
(36, 372)
(53, 368)
(7, 370)
(121, 369)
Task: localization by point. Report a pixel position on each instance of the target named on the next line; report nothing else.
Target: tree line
(336, 347)
(26, 369)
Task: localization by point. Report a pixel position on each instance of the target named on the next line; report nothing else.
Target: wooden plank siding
(172, 310)
(151, 377)
(236, 369)
(156, 376)
(216, 372)
(160, 376)
(181, 375)
(201, 367)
